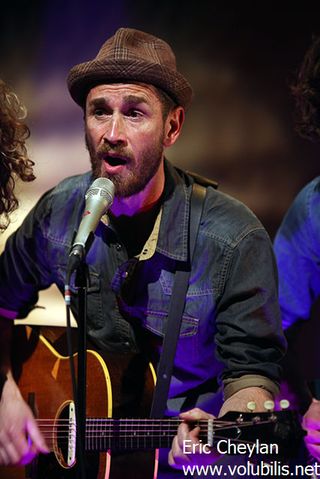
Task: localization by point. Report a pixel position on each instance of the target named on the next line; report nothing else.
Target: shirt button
(118, 247)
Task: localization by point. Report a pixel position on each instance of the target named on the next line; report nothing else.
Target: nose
(115, 131)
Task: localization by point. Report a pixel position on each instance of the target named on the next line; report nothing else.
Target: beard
(135, 176)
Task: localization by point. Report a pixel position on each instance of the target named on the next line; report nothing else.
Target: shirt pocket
(159, 298)
(156, 322)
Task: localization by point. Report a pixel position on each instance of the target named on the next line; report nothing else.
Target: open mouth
(115, 161)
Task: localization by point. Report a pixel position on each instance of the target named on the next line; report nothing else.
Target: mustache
(106, 149)
(120, 151)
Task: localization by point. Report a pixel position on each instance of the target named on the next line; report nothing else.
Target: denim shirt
(297, 248)
(231, 321)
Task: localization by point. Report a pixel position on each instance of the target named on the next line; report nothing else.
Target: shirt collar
(151, 244)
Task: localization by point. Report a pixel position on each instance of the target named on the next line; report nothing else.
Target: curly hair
(306, 92)
(14, 161)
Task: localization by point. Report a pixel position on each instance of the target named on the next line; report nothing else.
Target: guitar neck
(280, 428)
(124, 434)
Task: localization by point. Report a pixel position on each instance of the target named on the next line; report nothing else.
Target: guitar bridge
(72, 435)
(65, 434)
(210, 433)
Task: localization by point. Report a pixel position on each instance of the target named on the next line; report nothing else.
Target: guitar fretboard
(123, 434)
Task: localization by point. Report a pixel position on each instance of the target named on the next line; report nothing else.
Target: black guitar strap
(176, 309)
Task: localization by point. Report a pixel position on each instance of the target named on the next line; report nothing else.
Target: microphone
(99, 198)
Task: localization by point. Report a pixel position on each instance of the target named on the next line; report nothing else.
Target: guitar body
(118, 387)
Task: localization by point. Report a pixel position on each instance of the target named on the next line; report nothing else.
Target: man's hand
(311, 423)
(20, 438)
(187, 439)
(186, 435)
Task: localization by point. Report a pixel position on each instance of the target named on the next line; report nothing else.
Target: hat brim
(85, 76)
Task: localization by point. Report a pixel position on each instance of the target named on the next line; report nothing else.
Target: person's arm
(249, 339)
(297, 249)
(20, 438)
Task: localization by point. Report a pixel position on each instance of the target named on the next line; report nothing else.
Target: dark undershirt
(134, 231)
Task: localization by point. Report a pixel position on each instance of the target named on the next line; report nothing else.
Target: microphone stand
(77, 263)
(82, 283)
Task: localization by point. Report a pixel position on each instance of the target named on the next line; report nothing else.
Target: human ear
(173, 126)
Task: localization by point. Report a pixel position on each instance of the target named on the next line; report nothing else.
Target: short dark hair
(306, 92)
(14, 160)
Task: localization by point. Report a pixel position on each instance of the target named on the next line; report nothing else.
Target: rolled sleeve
(231, 386)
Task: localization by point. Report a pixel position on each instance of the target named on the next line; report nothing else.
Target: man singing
(134, 101)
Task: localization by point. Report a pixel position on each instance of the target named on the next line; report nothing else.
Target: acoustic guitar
(118, 443)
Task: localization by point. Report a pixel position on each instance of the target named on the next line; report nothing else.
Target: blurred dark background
(239, 56)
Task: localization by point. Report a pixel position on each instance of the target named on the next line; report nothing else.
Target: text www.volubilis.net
(271, 469)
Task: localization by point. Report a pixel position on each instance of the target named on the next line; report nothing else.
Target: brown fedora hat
(131, 55)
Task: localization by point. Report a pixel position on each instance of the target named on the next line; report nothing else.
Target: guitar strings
(122, 423)
(118, 430)
(174, 422)
(55, 443)
(128, 425)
